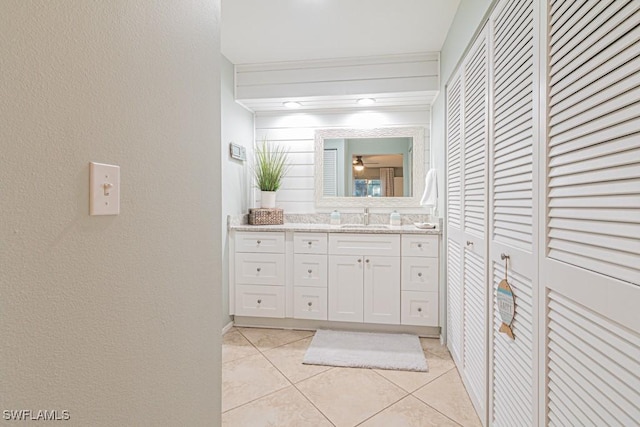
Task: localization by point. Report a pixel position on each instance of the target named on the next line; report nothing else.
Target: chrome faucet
(365, 220)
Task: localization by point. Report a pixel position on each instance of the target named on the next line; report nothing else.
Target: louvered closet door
(513, 219)
(591, 264)
(474, 222)
(454, 219)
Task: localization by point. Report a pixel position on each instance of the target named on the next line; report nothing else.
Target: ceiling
(258, 31)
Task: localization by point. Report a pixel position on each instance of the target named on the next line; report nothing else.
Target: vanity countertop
(342, 228)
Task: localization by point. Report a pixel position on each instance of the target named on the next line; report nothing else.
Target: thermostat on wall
(237, 151)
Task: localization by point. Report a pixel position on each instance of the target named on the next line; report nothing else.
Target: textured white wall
(115, 319)
(237, 127)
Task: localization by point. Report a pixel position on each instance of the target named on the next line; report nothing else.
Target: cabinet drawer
(415, 245)
(259, 269)
(360, 244)
(419, 274)
(310, 270)
(310, 303)
(260, 301)
(260, 242)
(310, 243)
(419, 308)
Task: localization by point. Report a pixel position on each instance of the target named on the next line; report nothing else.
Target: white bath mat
(366, 350)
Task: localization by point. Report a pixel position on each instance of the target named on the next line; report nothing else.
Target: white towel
(430, 196)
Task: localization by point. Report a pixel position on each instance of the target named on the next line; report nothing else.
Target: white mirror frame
(417, 133)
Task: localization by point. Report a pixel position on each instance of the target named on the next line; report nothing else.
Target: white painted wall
(115, 319)
(469, 16)
(237, 127)
(297, 132)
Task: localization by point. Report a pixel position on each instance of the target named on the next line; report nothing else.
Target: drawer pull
(469, 243)
(259, 301)
(419, 309)
(309, 271)
(359, 260)
(259, 241)
(419, 245)
(419, 274)
(258, 269)
(309, 243)
(309, 303)
(367, 261)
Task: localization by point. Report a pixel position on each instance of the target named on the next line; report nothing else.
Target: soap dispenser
(394, 218)
(335, 218)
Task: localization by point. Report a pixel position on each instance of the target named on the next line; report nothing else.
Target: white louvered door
(513, 219)
(454, 218)
(590, 252)
(474, 221)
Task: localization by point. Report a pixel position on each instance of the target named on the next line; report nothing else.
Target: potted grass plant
(272, 164)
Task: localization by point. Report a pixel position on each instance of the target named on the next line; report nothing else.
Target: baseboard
(226, 327)
(263, 322)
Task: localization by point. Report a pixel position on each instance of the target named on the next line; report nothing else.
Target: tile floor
(264, 383)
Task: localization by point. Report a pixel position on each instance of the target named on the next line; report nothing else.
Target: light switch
(104, 189)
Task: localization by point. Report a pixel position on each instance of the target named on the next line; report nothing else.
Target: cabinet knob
(367, 261)
(258, 269)
(259, 241)
(419, 245)
(359, 260)
(259, 301)
(469, 243)
(309, 243)
(309, 303)
(419, 309)
(419, 274)
(309, 271)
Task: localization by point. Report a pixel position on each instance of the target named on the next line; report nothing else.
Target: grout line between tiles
(440, 412)
(253, 400)
(385, 408)
(432, 407)
(270, 348)
(300, 391)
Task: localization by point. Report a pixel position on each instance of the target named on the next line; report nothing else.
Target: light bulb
(366, 101)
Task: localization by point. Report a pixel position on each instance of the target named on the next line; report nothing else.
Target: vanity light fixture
(292, 104)
(366, 101)
(358, 165)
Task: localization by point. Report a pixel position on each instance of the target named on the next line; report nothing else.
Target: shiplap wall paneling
(339, 77)
(296, 132)
(455, 301)
(512, 218)
(590, 254)
(474, 221)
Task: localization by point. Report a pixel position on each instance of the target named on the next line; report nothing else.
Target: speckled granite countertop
(343, 228)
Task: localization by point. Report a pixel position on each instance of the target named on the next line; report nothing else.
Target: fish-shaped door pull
(506, 301)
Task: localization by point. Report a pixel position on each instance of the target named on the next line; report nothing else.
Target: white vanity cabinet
(364, 278)
(310, 276)
(259, 271)
(419, 284)
(314, 277)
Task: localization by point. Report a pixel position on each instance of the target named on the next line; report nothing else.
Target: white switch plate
(104, 189)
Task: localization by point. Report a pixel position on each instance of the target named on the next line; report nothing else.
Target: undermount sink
(366, 227)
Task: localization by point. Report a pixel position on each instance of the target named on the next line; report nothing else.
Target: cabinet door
(265, 242)
(259, 269)
(260, 301)
(382, 289)
(346, 288)
(419, 274)
(419, 308)
(310, 270)
(310, 303)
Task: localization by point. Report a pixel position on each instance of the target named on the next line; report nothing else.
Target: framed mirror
(369, 167)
